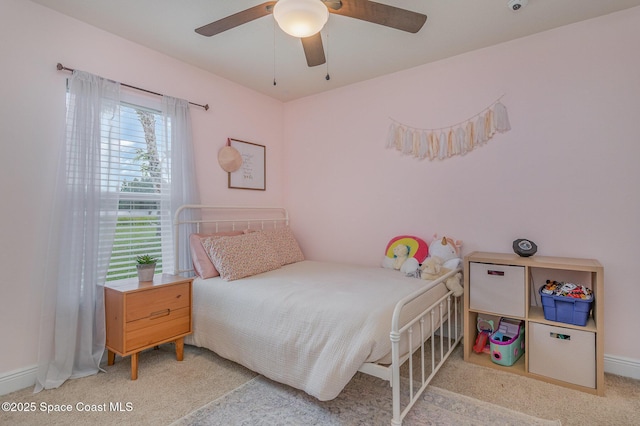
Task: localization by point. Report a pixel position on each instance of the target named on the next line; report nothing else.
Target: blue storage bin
(507, 342)
(565, 309)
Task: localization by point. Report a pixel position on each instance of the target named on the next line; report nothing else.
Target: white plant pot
(145, 272)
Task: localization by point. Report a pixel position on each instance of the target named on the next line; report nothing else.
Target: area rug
(365, 401)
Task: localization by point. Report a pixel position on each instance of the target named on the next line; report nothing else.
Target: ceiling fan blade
(313, 50)
(382, 14)
(236, 19)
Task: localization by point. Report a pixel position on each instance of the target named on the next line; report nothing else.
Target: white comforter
(310, 325)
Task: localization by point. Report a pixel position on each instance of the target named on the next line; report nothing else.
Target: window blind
(143, 162)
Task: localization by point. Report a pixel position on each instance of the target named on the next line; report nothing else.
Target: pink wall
(565, 176)
(573, 95)
(34, 39)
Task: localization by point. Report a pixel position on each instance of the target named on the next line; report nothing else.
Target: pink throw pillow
(285, 244)
(241, 256)
(201, 263)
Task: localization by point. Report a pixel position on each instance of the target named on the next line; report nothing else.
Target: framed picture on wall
(252, 172)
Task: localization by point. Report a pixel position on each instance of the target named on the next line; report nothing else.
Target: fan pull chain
(327, 77)
(274, 53)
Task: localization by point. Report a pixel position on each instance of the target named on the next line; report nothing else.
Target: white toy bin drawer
(498, 289)
(563, 353)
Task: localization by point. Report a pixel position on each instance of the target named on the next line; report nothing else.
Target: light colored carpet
(619, 407)
(365, 401)
(167, 390)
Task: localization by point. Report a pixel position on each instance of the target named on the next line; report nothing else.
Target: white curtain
(72, 331)
(184, 190)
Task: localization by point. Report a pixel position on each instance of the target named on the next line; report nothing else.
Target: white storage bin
(563, 353)
(498, 289)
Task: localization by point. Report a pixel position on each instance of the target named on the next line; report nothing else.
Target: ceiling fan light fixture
(300, 18)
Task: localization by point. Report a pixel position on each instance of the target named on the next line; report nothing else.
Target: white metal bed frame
(444, 316)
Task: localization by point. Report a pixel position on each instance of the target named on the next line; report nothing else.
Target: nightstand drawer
(153, 303)
(157, 328)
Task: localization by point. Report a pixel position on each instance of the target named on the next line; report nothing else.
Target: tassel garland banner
(446, 142)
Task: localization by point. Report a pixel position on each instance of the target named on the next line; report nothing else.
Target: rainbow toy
(418, 248)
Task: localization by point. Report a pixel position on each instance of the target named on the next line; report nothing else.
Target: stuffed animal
(432, 268)
(405, 253)
(387, 262)
(411, 268)
(454, 284)
(401, 254)
(400, 260)
(448, 250)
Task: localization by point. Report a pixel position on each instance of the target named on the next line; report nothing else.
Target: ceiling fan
(365, 10)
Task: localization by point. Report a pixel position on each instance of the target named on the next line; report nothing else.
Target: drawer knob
(494, 272)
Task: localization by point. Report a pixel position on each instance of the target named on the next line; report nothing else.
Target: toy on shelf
(566, 302)
(555, 288)
(507, 343)
(485, 329)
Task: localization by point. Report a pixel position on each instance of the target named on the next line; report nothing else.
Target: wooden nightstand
(140, 315)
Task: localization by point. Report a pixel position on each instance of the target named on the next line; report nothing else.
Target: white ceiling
(256, 52)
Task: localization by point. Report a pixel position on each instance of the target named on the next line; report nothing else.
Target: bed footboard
(440, 327)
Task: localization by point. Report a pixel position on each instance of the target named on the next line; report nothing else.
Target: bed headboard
(198, 218)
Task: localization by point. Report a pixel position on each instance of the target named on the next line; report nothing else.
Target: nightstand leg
(111, 357)
(134, 366)
(180, 349)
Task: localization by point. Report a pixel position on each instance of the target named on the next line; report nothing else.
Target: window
(144, 198)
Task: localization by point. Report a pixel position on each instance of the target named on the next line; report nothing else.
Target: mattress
(310, 325)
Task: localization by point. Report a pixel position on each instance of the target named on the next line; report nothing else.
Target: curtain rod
(62, 67)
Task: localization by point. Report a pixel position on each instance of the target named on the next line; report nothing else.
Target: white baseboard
(622, 366)
(24, 378)
(18, 379)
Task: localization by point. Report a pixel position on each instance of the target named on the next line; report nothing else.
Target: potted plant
(146, 267)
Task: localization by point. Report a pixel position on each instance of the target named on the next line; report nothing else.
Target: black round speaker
(525, 248)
